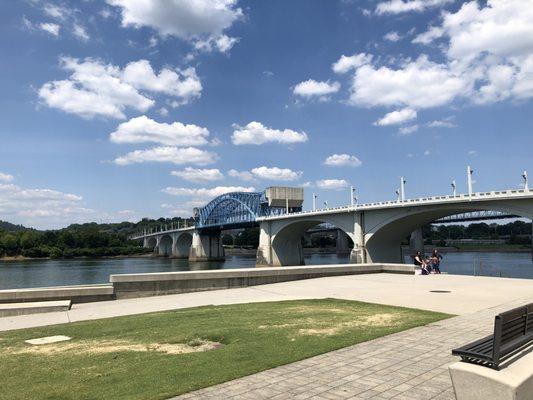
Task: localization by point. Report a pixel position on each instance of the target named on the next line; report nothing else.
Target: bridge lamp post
(454, 188)
(469, 172)
(526, 186)
(352, 195)
(402, 188)
(314, 202)
(398, 194)
(326, 204)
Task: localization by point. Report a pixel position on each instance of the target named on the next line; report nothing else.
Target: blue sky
(116, 110)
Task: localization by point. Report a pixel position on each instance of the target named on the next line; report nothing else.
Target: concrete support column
(206, 246)
(264, 250)
(416, 242)
(343, 247)
(358, 254)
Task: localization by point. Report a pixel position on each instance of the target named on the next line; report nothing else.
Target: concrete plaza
(407, 365)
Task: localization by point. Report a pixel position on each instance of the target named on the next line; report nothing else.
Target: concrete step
(76, 293)
(12, 309)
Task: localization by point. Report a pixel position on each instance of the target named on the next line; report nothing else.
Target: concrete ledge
(12, 309)
(162, 283)
(77, 294)
(474, 382)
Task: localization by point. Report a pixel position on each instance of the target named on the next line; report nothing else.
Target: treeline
(77, 240)
(516, 232)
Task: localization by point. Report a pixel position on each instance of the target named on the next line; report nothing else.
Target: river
(40, 273)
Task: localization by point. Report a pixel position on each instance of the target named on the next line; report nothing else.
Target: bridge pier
(206, 246)
(416, 242)
(358, 254)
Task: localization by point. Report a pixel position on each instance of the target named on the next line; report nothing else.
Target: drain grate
(440, 291)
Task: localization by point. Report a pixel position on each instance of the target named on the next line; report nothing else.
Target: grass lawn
(160, 355)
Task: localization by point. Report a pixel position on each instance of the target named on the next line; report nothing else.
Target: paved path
(467, 294)
(404, 366)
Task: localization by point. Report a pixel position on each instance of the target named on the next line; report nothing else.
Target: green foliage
(247, 238)
(254, 337)
(227, 240)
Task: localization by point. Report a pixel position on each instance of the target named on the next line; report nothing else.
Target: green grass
(254, 337)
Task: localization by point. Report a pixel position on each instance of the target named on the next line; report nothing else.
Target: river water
(40, 273)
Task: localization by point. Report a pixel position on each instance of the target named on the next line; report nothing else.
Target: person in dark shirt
(436, 257)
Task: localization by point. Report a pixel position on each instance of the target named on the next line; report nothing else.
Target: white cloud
(472, 152)
(175, 155)
(143, 129)
(200, 22)
(256, 133)
(397, 117)
(342, 160)
(427, 152)
(42, 207)
(392, 36)
(198, 175)
(183, 84)
(6, 177)
(346, 63)
(80, 32)
(98, 89)
(403, 6)
(206, 192)
(442, 123)
(275, 174)
(430, 35)
(407, 130)
(332, 184)
(222, 44)
(418, 84)
(49, 27)
(56, 11)
(314, 89)
(242, 175)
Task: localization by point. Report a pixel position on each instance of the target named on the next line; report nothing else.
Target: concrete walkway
(408, 365)
(467, 295)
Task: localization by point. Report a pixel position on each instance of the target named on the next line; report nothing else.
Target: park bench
(513, 330)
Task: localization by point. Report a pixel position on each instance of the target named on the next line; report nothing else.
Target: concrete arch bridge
(376, 229)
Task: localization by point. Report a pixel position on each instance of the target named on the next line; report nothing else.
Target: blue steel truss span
(234, 210)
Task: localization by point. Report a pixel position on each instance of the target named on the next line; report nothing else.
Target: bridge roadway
(376, 230)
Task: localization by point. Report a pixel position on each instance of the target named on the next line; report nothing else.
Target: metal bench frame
(513, 330)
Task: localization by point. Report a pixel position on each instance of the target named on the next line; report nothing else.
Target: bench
(513, 330)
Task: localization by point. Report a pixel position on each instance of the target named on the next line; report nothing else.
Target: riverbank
(23, 258)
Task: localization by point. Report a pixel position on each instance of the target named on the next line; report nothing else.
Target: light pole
(314, 202)
(526, 186)
(469, 172)
(326, 204)
(454, 188)
(402, 188)
(398, 194)
(352, 196)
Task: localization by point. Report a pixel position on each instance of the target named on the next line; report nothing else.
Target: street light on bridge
(402, 188)
(314, 202)
(326, 203)
(398, 194)
(524, 176)
(454, 188)
(353, 197)
(469, 172)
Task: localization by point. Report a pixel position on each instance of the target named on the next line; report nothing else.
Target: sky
(115, 110)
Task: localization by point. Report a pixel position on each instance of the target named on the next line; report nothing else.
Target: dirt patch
(113, 346)
(314, 309)
(375, 320)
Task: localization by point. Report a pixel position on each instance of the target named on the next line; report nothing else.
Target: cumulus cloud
(98, 89)
(49, 27)
(407, 130)
(392, 36)
(315, 89)
(346, 63)
(442, 123)
(397, 117)
(199, 175)
(143, 129)
(6, 177)
(332, 184)
(342, 160)
(256, 133)
(418, 84)
(175, 155)
(403, 6)
(41, 207)
(80, 32)
(275, 174)
(201, 22)
(206, 192)
(242, 175)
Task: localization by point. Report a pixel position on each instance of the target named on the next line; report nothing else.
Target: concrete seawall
(77, 294)
(155, 284)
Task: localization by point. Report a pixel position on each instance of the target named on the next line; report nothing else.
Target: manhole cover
(440, 291)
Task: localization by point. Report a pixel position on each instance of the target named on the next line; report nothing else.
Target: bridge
(371, 232)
